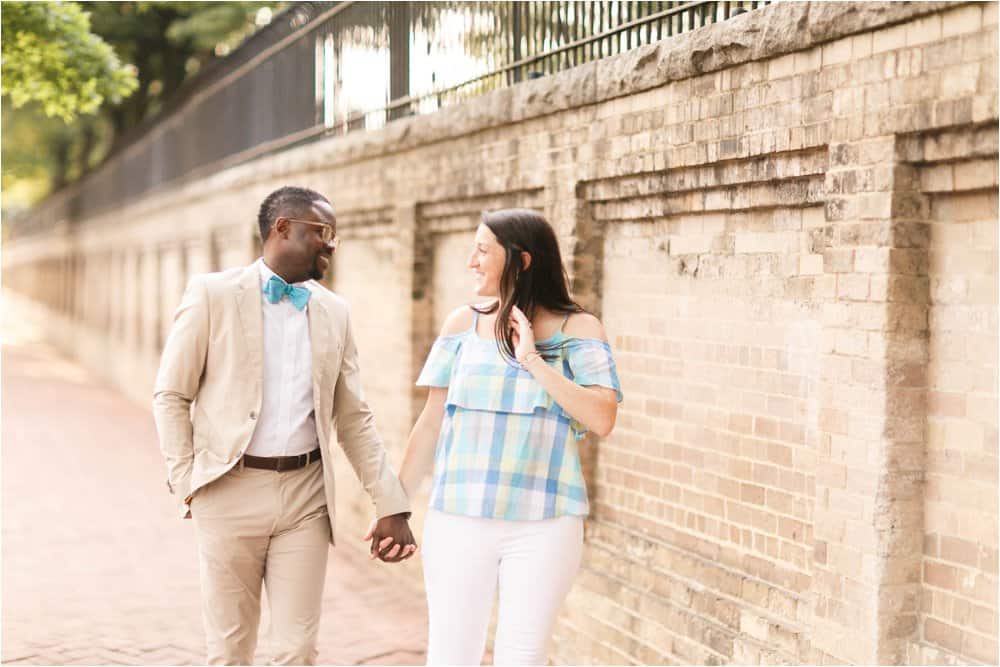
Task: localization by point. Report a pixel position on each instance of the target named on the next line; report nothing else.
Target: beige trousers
(254, 528)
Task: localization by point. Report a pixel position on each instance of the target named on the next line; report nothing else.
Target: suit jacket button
(253, 414)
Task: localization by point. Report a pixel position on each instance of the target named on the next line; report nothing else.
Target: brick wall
(788, 223)
(959, 599)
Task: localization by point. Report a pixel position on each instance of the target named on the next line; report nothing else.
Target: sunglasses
(328, 235)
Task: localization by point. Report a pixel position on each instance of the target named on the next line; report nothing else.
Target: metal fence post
(399, 57)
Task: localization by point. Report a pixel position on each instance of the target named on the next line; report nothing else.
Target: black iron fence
(325, 68)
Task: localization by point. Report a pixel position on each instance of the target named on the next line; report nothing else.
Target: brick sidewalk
(97, 569)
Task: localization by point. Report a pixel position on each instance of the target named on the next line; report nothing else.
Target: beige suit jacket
(209, 389)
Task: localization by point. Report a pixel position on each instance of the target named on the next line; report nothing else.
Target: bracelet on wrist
(528, 358)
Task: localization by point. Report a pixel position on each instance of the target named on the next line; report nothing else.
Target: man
(259, 366)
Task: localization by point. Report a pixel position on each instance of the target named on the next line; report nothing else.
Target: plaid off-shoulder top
(506, 450)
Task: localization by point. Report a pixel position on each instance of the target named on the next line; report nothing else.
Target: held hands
(522, 335)
(391, 538)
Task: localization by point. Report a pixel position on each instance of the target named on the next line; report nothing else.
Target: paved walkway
(97, 569)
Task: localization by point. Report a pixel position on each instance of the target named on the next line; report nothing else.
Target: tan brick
(938, 178)
(837, 52)
(852, 286)
(808, 62)
(779, 454)
(945, 404)
(765, 428)
(962, 20)
(980, 648)
(940, 575)
(959, 551)
(851, 343)
(908, 289)
(961, 611)
(923, 30)
(813, 217)
(872, 317)
(810, 264)
(980, 408)
(904, 261)
(686, 245)
(943, 634)
(753, 625)
(977, 206)
(889, 39)
(984, 108)
(976, 174)
(875, 206)
(941, 603)
(781, 67)
(872, 260)
(730, 489)
(960, 80)
(989, 13)
(838, 260)
(861, 46)
(981, 588)
(984, 620)
(930, 545)
(878, 287)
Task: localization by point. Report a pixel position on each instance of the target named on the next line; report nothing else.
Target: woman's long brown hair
(544, 284)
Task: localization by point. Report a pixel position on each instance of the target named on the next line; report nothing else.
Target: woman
(513, 385)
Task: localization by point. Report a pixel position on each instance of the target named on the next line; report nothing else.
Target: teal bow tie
(277, 288)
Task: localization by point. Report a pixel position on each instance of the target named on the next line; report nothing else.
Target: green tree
(166, 44)
(51, 57)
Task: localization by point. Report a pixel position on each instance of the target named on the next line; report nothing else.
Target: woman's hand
(522, 335)
(391, 539)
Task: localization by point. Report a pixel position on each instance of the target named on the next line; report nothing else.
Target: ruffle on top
(479, 378)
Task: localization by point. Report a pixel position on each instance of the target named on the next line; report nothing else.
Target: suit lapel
(248, 302)
(319, 340)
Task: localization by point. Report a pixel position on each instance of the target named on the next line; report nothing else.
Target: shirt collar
(266, 273)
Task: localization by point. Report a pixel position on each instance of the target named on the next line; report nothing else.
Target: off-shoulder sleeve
(591, 363)
(437, 369)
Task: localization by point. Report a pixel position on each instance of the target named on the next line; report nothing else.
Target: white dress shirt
(286, 425)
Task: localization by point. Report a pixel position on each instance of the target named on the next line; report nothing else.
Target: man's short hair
(288, 201)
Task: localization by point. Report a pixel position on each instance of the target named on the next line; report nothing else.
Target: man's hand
(391, 539)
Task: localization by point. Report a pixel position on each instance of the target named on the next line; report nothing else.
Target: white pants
(464, 558)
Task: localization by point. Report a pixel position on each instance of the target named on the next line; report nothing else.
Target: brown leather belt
(282, 463)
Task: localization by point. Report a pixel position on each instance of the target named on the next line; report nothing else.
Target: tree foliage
(165, 43)
(51, 57)
(168, 42)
